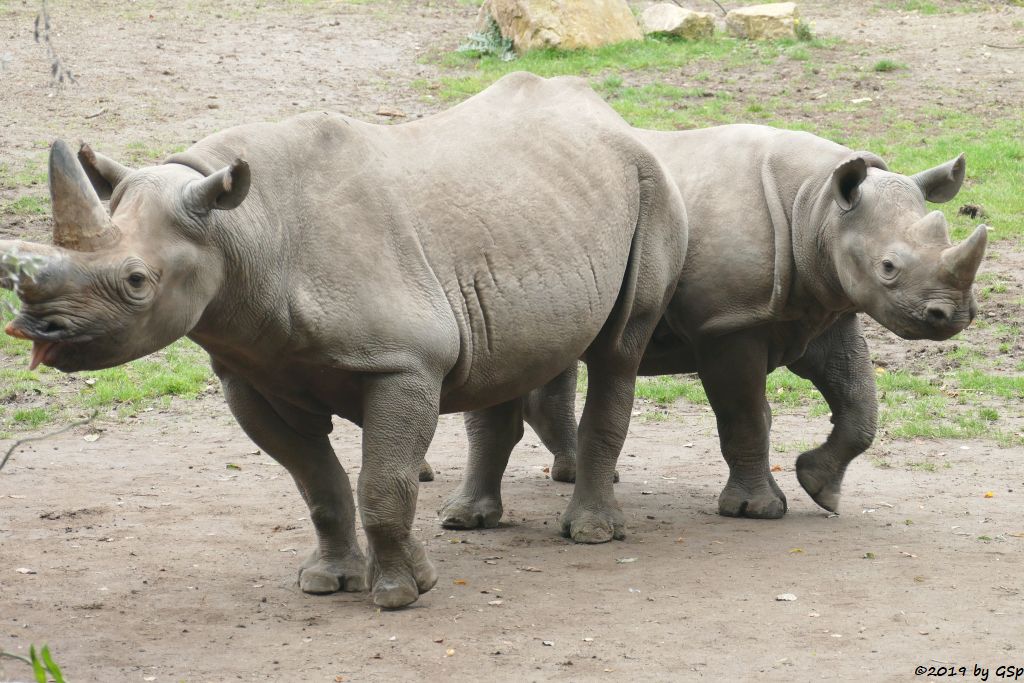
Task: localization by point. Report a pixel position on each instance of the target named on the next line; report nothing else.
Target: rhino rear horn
(104, 173)
(224, 189)
(962, 260)
(79, 220)
(940, 184)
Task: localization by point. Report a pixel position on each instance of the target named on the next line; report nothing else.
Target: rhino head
(116, 287)
(893, 258)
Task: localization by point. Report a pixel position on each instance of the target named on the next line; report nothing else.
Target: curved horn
(79, 220)
(962, 260)
(104, 173)
(940, 184)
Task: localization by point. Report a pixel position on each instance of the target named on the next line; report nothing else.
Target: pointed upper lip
(62, 335)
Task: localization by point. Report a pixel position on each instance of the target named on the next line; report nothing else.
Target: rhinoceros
(790, 237)
(383, 274)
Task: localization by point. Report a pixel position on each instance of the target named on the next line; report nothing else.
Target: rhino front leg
(399, 419)
(337, 563)
(839, 364)
(493, 433)
(733, 370)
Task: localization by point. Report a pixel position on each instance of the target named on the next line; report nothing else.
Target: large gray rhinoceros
(380, 273)
(790, 236)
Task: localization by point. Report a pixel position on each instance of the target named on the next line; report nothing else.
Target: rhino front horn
(962, 261)
(80, 222)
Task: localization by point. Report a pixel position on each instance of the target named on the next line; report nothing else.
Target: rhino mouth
(49, 340)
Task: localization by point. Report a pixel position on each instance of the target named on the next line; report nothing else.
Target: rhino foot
(761, 502)
(426, 471)
(565, 470)
(404, 578)
(593, 525)
(817, 473)
(320, 576)
(465, 512)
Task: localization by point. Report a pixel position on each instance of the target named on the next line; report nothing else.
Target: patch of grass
(31, 417)
(140, 153)
(667, 389)
(27, 206)
(886, 65)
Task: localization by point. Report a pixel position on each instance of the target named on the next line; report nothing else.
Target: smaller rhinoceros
(790, 237)
(380, 273)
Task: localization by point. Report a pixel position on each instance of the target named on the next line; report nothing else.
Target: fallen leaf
(530, 569)
(459, 582)
(495, 603)
(794, 551)
(91, 381)
(869, 556)
(233, 466)
(490, 562)
(91, 437)
(906, 554)
(549, 643)
(450, 652)
(776, 468)
(625, 560)
(1016, 534)
(837, 635)
(990, 494)
(339, 679)
(25, 570)
(546, 470)
(785, 597)
(438, 640)
(588, 640)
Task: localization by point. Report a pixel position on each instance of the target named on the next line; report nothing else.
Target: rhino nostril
(939, 314)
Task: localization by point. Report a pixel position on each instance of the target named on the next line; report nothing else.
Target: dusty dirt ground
(154, 561)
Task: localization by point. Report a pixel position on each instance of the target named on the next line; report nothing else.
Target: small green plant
(489, 42)
(42, 664)
(803, 31)
(886, 65)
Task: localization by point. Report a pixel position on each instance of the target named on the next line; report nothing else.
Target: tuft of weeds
(489, 42)
(887, 65)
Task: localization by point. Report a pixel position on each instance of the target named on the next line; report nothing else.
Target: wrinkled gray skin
(380, 273)
(790, 237)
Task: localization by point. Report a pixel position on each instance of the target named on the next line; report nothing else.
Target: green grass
(885, 65)
(26, 205)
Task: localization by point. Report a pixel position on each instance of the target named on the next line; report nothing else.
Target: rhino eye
(136, 280)
(888, 266)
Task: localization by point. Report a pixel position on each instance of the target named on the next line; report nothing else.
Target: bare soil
(150, 559)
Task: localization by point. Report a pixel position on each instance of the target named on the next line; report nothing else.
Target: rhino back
(498, 232)
(740, 184)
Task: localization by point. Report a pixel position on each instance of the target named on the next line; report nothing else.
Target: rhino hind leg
(551, 411)
(399, 420)
(337, 563)
(493, 433)
(839, 365)
(733, 371)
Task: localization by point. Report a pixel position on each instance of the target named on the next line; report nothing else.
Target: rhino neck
(815, 241)
(238, 318)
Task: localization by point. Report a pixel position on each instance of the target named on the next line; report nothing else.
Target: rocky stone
(669, 18)
(763, 22)
(561, 24)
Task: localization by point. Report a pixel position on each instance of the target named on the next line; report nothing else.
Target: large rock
(669, 18)
(562, 24)
(763, 22)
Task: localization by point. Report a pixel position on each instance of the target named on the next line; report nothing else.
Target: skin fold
(790, 237)
(383, 274)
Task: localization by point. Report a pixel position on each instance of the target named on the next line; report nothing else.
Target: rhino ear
(940, 184)
(846, 181)
(103, 172)
(224, 189)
